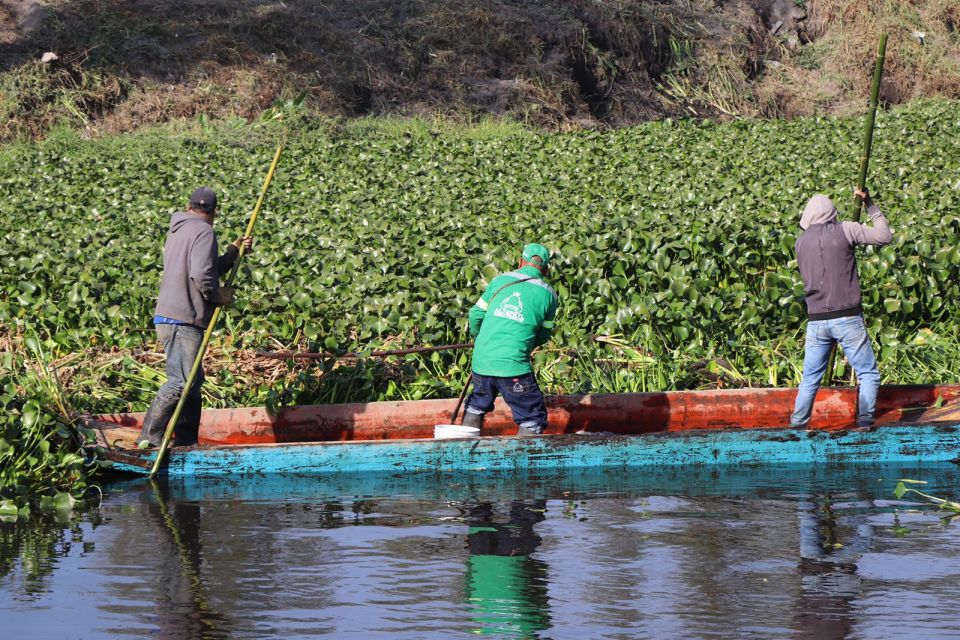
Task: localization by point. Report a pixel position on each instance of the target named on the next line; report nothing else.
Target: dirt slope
(552, 63)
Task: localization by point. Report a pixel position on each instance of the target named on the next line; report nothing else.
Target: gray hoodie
(827, 262)
(191, 270)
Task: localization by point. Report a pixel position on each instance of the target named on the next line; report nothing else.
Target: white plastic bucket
(447, 431)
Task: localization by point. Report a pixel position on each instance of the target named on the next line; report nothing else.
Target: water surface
(717, 553)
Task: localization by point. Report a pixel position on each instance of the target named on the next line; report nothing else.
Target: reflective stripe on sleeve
(482, 304)
(547, 324)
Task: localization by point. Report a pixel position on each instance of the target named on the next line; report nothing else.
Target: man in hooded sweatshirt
(189, 291)
(828, 266)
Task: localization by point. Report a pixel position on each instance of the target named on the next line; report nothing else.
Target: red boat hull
(632, 413)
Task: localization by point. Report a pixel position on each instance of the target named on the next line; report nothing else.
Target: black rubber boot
(473, 420)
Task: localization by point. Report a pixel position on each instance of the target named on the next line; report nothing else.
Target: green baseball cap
(536, 254)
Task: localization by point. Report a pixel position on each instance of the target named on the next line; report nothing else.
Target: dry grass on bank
(551, 64)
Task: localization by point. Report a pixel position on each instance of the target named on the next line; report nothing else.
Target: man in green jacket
(513, 316)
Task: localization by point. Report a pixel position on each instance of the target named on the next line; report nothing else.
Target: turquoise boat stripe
(753, 447)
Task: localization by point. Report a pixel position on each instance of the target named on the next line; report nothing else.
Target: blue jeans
(851, 333)
(181, 343)
(521, 393)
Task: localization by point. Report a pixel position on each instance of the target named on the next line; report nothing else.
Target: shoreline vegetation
(43, 465)
(673, 244)
(113, 66)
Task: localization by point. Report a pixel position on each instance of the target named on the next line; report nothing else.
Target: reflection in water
(182, 609)
(30, 548)
(831, 542)
(761, 553)
(506, 587)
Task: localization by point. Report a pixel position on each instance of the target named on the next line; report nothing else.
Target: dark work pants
(181, 343)
(521, 393)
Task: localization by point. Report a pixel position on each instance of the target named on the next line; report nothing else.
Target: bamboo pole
(194, 370)
(871, 119)
(864, 165)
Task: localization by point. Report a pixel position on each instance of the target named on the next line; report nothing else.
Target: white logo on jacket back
(511, 308)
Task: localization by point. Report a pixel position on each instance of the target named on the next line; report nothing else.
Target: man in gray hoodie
(828, 266)
(189, 291)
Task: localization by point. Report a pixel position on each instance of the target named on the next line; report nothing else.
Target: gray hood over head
(819, 210)
(180, 218)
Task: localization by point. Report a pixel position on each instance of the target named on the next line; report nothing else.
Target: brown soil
(555, 64)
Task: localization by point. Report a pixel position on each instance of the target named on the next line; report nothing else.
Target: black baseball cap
(203, 199)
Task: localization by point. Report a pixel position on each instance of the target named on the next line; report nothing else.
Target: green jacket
(508, 323)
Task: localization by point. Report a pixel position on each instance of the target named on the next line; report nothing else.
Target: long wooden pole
(463, 394)
(871, 119)
(864, 162)
(194, 370)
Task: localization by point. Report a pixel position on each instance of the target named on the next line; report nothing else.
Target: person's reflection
(506, 587)
(829, 583)
(182, 609)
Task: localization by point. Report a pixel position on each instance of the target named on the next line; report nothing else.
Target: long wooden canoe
(743, 426)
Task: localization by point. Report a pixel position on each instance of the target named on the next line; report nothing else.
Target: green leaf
(900, 490)
(30, 416)
(32, 344)
(9, 508)
(301, 299)
(63, 501)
